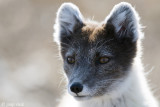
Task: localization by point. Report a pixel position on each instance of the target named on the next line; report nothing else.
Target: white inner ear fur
(124, 15)
(68, 16)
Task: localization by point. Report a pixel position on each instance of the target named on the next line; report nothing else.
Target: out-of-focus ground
(30, 70)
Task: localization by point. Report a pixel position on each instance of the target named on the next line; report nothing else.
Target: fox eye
(103, 60)
(71, 60)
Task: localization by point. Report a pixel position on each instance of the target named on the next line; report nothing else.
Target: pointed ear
(68, 19)
(125, 20)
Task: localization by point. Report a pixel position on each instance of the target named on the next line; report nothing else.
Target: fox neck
(134, 92)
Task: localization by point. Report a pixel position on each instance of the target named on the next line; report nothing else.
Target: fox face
(97, 57)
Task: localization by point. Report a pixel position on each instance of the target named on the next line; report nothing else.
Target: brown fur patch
(92, 29)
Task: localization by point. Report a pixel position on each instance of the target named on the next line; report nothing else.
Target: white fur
(68, 16)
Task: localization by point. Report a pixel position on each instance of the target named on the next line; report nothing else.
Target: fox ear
(68, 19)
(125, 20)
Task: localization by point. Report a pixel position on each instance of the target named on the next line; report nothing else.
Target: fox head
(97, 57)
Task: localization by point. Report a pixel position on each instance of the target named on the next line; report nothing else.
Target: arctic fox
(102, 60)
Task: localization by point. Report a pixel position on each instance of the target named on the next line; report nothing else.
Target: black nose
(76, 88)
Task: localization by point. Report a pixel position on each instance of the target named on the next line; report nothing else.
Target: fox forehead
(93, 29)
(90, 34)
(92, 37)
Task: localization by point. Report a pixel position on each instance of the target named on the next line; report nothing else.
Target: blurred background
(30, 69)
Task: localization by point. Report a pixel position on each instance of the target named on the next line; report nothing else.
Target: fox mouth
(80, 98)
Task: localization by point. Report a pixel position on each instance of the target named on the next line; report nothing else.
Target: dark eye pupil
(70, 60)
(103, 60)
